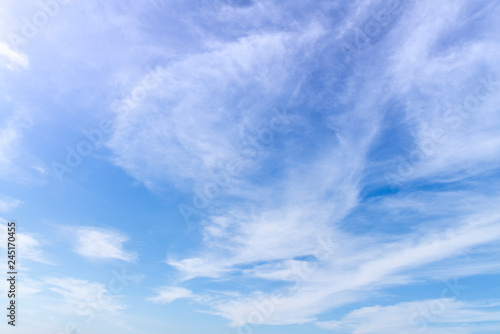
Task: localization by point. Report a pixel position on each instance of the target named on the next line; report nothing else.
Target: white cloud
(90, 306)
(84, 297)
(194, 120)
(9, 140)
(13, 59)
(101, 244)
(284, 220)
(8, 203)
(15, 161)
(357, 268)
(198, 267)
(437, 316)
(170, 293)
(449, 93)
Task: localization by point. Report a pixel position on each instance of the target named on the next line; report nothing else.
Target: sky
(251, 166)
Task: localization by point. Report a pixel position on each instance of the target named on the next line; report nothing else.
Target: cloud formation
(171, 293)
(430, 316)
(420, 74)
(8, 203)
(13, 60)
(96, 243)
(327, 154)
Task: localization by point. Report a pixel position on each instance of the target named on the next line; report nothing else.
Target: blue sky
(252, 166)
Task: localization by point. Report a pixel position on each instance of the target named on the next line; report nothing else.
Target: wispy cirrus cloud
(430, 316)
(347, 126)
(82, 295)
(10, 136)
(351, 274)
(13, 59)
(16, 163)
(447, 83)
(203, 120)
(8, 203)
(264, 239)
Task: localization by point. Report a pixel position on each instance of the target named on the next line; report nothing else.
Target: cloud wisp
(266, 227)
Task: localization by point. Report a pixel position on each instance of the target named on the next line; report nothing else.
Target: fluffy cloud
(170, 293)
(101, 244)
